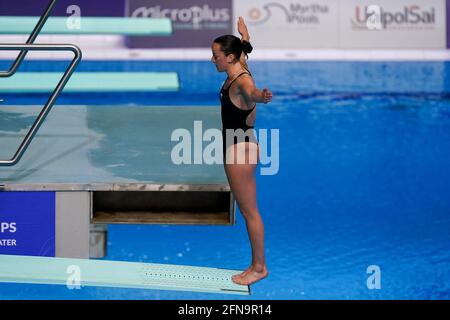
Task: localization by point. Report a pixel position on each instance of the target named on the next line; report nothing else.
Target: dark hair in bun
(233, 45)
(246, 47)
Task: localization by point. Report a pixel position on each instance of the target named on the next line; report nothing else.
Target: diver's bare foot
(250, 276)
(241, 274)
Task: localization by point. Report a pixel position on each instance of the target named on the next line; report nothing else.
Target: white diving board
(38, 82)
(88, 25)
(102, 273)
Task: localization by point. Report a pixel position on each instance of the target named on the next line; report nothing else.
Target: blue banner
(88, 8)
(27, 223)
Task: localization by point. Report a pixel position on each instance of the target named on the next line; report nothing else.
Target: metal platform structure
(89, 25)
(41, 82)
(113, 165)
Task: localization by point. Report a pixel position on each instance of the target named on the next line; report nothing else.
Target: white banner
(344, 23)
(392, 24)
(290, 23)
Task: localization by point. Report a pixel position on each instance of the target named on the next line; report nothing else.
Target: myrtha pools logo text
(295, 13)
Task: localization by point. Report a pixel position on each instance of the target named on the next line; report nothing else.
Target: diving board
(89, 25)
(103, 273)
(38, 82)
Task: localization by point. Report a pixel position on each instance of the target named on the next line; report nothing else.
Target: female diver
(238, 97)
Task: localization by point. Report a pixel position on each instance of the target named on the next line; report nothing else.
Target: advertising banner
(290, 23)
(448, 23)
(27, 223)
(393, 24)
(296, 24)
(97, 8)
(196, 23)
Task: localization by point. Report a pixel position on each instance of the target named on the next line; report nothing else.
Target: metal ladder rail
(37, 29)
(51, 101)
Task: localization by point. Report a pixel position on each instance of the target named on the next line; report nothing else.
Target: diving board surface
(40, 270)
(38, 82)
(88, 25)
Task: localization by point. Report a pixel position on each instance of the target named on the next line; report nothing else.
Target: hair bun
(246, 47)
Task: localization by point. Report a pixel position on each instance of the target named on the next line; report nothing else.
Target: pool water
(364, 179)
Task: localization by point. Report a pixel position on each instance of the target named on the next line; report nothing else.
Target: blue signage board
(87, 8)
(27, 223)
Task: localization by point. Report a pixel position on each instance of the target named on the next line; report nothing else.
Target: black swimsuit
(234, 118)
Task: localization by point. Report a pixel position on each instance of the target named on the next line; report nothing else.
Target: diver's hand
(242, 29)
(267, 95)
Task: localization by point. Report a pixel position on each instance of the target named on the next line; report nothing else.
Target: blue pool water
(364, 180)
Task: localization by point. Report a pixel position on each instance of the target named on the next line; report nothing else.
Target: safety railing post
(51, 101)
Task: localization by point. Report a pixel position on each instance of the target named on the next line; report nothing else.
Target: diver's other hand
(267, 95)
(242, 29)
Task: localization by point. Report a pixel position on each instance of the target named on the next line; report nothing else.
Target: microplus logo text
(185, 18)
